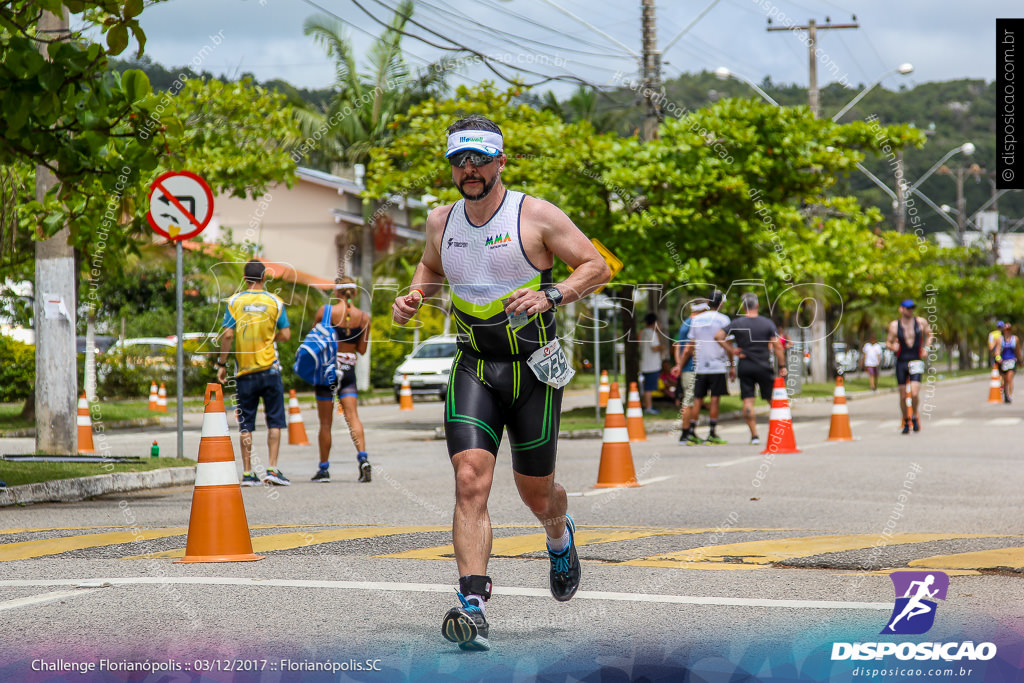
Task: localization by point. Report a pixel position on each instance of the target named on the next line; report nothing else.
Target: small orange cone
(635, 415)
(85, 444)
(341, 408)
(161, 399)
(780, 422)
(405, 395)
(602, 396)
(296, 427)
(995, 386)
(217, 528)
(616, 468)
(153, 398)
(839, 430)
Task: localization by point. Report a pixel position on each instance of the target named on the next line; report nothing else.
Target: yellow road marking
(1001, 558)
(263, 544)
(514, 546)
(24, 550)
(755, 554)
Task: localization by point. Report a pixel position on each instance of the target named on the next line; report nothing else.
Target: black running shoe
(565, 567)
(365, 470)
(466, 626)
(322, 475)
(906, 427)
(917, 425)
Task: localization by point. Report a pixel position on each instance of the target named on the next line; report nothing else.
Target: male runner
(496, 247)
(909, 337)
(753, 338)
(712, 363)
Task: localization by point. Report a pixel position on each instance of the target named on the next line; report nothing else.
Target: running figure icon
(915, 606)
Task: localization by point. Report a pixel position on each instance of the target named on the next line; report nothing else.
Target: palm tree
(366, 102)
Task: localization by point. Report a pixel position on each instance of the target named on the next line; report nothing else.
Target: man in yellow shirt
(257, 319)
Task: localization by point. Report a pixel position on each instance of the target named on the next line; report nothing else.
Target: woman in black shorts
(352, 327)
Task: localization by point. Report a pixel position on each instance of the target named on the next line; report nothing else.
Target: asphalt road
(708, 567)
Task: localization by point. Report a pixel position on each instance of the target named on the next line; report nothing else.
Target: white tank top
(483, 265)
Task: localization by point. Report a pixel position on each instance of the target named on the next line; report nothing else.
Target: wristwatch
(219, 364)
(553, 295)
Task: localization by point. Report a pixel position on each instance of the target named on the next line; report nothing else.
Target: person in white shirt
(870, 359)
(712, 362)
(650, 360)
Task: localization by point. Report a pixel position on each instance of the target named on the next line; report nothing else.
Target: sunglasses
(478, 159)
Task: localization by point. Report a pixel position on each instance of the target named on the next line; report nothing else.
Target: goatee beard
(486, 191)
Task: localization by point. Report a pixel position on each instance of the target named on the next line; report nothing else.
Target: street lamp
(724, 73)
(903, 69)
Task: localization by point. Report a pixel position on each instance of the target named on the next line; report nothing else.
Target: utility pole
(54, 313)
(901, 198)
(651, 72)
(820, 352)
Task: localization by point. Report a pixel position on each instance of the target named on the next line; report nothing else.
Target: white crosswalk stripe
(947, 422)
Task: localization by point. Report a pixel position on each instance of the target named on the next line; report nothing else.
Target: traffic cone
(153, 398)
(161, 399)
(217, 528)
(602, 396)
(616, 468)
(780, 422)
(995, 386)
(296, 427)
(341, 408)
(85, 444)
(839, 430)
(405, 395)
(635, 415)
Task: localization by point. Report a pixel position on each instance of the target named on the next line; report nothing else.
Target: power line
(592, 27)
(515, 37)
(528, 20)
(690, 25)
(459, 47)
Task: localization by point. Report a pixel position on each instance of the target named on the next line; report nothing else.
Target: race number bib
(915, 367)
(550, 365)
(1009, 364)
(346, 361)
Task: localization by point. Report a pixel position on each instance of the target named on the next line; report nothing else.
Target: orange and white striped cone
(616, 468)
(839, 429)
(85, 444)
(153, 397)
(635, 415)
(161, 399)
(780, 422)
(296, 427)
(995, 386)
(217, 528)
(405, 395)
(602, 395)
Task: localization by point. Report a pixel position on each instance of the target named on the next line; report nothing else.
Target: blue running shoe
(466, 626)
(565, 567)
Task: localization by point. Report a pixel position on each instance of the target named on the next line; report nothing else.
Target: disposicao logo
(913, 614)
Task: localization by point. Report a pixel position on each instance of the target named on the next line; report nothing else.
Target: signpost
(180, 207)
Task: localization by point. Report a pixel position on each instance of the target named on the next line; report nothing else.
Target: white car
(428, 366)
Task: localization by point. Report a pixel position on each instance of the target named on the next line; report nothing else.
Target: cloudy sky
(943, 39)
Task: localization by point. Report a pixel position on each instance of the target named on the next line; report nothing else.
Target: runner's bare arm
(429, 275)
(559, 237)
(928, 338)
(891, 342)
(780, 356)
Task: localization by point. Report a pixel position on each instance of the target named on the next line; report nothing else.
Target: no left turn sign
(180, 205)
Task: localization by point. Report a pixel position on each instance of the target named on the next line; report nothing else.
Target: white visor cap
(485, 141)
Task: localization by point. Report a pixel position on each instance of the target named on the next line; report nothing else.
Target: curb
(70, 490)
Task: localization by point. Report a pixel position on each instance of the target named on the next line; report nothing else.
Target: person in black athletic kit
(353, 329)
(909, 337)
(496, 247)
